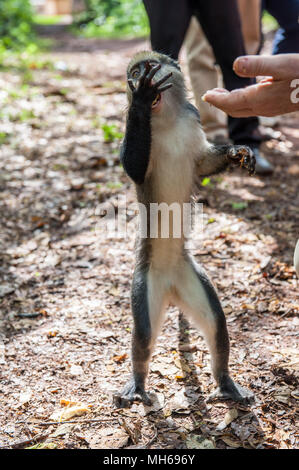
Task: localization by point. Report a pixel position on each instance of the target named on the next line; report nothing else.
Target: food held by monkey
(165, 152)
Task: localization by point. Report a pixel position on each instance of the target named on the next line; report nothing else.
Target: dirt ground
(65, 321)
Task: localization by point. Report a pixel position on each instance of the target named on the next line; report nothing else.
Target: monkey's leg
(147, 306)
(217, 157)
(198, 298)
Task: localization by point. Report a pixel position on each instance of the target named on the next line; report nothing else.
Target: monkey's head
(169, 100)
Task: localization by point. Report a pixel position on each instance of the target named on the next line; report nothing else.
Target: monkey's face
(166, 101)
(138, 71)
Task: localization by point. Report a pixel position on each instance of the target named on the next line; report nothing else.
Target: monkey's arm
(136, 147)
(217, 157)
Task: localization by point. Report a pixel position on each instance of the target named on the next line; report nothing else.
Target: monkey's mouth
(156, 101)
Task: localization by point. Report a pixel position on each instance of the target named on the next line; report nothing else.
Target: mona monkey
(163, 151)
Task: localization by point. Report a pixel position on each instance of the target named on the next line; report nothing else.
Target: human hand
(277, 93)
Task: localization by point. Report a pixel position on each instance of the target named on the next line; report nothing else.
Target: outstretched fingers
(143, 78)
(163, 79)
(249, 163)
(247, 159)
(152, 72)
(244, 156)
(165, 87)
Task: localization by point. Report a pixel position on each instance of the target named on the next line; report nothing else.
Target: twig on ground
(16, 445)
(152, 439)
(85, 421)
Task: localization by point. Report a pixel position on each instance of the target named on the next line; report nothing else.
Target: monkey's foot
(242, 155)
(131, 393)
(228, 390)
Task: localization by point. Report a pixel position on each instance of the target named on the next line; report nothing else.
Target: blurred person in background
(220, 21)
(286, 14)
(205, 73)
(277, 94)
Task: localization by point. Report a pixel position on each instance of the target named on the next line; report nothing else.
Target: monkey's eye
(135, 74)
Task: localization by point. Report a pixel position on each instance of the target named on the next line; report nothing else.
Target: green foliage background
(101, 18)
(16, 24)
(113, 18)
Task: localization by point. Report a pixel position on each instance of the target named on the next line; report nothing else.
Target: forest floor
(65, 320)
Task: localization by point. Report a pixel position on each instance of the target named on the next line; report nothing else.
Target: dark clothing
(286, 14)
(169, 21)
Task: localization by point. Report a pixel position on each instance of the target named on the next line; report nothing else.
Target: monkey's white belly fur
(173, 158)
(171, 277)
(172, 168)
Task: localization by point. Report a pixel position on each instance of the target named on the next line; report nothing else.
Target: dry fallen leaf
(114, 291)
(107, 438)
(164, 368)
(229, 417)
(65, 402)
(6, 289)
(25, 396)
(180, 402)
(195, 441)
(186, 347)
(158, 402)
(120, 358)
(75, 370)
(283, 394)
(62, 430)
(231, 442)
(69, 411)
(52, 334)
(182, 365)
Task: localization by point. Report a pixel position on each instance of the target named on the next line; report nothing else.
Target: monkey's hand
(240, 154)
(146, 90)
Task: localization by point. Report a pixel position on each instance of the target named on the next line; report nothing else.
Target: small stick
(40, 437)
(152, 439)
(16, 445)
(85, 421)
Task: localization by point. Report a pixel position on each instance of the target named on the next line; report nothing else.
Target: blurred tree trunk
(79, 5)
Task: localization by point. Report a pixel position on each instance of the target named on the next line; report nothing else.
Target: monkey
(163, 151)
